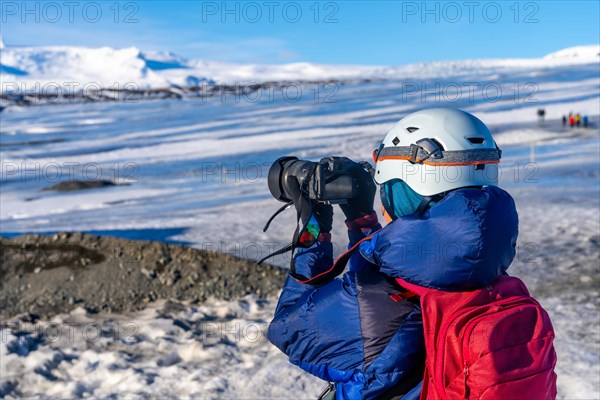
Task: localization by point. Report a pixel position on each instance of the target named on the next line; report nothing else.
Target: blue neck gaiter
(398, 197)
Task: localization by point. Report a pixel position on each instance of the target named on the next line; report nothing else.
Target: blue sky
(337, 32)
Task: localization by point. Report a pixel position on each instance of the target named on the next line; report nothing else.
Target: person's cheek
(386, 216)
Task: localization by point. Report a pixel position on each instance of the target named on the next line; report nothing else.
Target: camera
(332, 180)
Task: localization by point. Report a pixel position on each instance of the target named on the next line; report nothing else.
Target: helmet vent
(411, 129)
(396, 141)
(475, 140)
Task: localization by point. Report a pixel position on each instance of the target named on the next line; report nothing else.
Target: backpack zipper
(439, 346)
(466, 374)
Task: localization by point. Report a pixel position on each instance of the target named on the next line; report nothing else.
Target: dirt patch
(47, 275)
(69, 186)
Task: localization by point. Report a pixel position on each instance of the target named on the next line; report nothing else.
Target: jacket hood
(466, 241)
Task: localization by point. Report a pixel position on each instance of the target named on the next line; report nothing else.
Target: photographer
(450, 228)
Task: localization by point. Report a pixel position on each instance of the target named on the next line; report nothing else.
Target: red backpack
(493, 343)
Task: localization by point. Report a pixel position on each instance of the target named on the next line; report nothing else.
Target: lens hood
(275, 178)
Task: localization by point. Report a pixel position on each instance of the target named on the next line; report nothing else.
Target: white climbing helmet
(438, 150)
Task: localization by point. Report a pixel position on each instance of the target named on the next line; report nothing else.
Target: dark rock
(67, 186)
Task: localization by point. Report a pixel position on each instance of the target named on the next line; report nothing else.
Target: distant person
(564, 121)
(541, 113)
(571, 121)
(586, 121)
(578, 120)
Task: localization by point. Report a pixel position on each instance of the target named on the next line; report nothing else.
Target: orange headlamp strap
(425, 154)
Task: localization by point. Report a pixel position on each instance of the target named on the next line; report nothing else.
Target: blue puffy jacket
(352, 332)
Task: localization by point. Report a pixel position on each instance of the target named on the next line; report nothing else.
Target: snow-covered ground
(215, 351)
(197, 169)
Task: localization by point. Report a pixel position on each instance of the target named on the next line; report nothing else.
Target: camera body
(331, 180)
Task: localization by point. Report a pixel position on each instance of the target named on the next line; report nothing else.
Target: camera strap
(283, 250)
(336, 269)
(279, 211)
(290, 246)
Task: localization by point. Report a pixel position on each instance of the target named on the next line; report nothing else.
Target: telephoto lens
(332, 180)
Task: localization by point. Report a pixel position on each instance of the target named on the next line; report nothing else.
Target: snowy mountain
(582, 53)
(39, 69)
(34, 68)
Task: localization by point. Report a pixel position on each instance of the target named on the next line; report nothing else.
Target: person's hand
(362, 204)
(317, 218)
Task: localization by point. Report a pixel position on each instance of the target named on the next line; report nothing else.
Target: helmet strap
(424, 205)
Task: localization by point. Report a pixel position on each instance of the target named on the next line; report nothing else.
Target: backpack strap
(411, 287)
(398, 297)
